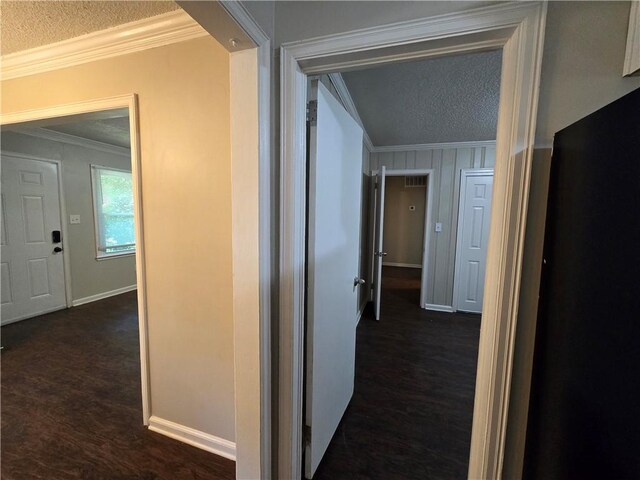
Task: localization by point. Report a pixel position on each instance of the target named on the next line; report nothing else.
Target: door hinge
(306, 435)
(312, 112)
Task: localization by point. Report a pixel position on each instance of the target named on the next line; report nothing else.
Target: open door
(379, 253)
(333, 233)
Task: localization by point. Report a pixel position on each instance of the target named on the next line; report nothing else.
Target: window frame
(96, 194)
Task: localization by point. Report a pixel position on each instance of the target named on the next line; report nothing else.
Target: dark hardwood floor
(410, 416)
(71, 405)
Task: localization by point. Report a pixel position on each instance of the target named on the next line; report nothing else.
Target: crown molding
(60, 137)
(123, 39)
(347, 101)
(433, 146)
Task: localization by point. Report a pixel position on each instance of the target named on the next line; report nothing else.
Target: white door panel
(473, 236)
(32, 273)
(379, 253)
(335, 177)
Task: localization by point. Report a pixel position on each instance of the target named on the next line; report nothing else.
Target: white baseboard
(193, 437)
(406, 265)
(439, 308)
(100, 296)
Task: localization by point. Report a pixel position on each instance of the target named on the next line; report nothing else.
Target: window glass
(113, 202)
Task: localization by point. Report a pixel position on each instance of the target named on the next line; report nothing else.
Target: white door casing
(32, 280)
(378, 252)
(517, 28)
(333, 251)
(474, 217)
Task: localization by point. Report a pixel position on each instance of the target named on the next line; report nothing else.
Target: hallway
(71, 404)
(410, 415)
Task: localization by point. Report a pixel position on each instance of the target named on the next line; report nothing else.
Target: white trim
(434, 146)
(193, 437)
(464, 173)
(347, 101)
(109, 256)
(519, 29)
(31, 315)
(404, 265)
(130, 102)
(101, 296)
(165, 29)
(404, 172)
(438, 308)
(66, 257)
(632, 53)
(60, 137)
(245, 465)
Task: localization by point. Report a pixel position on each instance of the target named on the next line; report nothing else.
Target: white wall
(447, 163)
(88, 275)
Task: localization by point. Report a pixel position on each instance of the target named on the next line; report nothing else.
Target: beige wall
(88, 275)
(447, 165)
(403, 228)
(186, 186)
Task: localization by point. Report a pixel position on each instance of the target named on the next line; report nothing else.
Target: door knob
(358, 281)
(57, 249)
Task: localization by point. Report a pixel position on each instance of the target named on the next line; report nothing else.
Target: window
(113, 211)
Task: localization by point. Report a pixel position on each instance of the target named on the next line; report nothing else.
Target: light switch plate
(74, 219)
(438, 227)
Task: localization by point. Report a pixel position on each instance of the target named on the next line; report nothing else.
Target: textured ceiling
(114, 131)
(29, 24)
(447, 99)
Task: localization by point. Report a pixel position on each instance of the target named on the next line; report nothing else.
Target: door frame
(130, 102)
(517, 28)
(428, 218)
(66, 262)
(464, 174)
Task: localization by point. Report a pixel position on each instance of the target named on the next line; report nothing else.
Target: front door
(335, 177)
(32, 264)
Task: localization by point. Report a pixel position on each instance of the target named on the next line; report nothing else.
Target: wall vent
(410, 182)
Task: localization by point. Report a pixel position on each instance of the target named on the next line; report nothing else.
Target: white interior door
(378, 252)
(474, 217)
(32, 272)
(335, 178)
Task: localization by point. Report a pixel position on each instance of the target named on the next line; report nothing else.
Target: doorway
(401, 231)
(404, 235)
(507, 226)
(99, 239)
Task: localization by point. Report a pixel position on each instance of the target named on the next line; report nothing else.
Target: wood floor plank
(71, 402)
(410, 416)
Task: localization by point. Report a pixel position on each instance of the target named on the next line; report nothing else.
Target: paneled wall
(447, 161)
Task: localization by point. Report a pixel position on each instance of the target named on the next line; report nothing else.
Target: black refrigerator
(584, 414)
